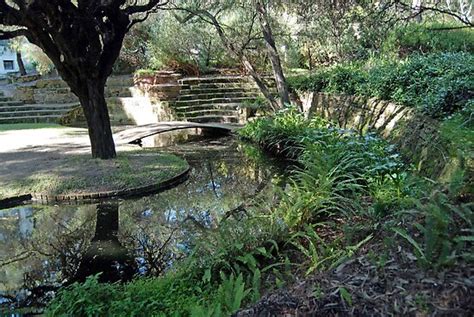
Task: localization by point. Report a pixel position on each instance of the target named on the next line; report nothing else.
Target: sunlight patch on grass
(28, 126)
(78, 174)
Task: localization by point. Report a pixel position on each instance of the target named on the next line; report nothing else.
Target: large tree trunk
(21, 65)
(93, 103)
(282, 86)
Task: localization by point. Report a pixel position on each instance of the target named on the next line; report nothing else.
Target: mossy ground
(55, 160)
(77, 174)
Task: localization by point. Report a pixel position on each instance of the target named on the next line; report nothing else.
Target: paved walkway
(24, 152)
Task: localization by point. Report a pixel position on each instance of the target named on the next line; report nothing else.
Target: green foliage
(320, 254)
(436, 84)
(335, 166)
(444, 235)
(188, 47)
(229, 297)
(458, 130)
(431, 37)
(346, 30)
(172, 295)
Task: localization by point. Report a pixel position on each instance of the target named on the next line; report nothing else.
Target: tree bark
(416, 9)
(260, 83)
(275, 60)
(95, 109)
(21, 65)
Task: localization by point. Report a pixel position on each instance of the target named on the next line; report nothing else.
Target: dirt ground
(24, 152)
(59, 157)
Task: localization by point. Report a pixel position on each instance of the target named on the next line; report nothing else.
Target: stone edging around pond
(124, 193)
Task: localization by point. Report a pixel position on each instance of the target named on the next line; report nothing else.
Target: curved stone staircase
(12, 111)
(217, 99)
(214, 99)
(49, 99)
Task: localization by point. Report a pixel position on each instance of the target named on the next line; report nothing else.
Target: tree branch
(6, 35)
(152, 4)
(446, 11)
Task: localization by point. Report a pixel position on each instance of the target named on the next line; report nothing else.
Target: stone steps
(217, 90)
(242, 85)
(10, 103)
(63, 95)
(209, 106)
(195, 102)
(228, 95)
(53, 98)
(33, 113)
(212, 80)
(113, 81)
(205, 112)
(214, 99)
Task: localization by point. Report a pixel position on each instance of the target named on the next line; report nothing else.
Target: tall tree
(83, 39)
(216, 12)
(282, 86)
(15, 45)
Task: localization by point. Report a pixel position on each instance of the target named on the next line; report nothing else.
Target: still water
(44, 247)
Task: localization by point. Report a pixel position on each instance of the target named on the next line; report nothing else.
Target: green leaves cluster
(429, 37)
(444, 235)
(436, 84)
(334, 166)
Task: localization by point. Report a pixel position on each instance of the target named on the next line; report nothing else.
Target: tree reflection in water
(105, 254)
(56, 245)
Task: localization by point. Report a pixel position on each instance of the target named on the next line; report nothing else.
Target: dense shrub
(436, 84)
(429, 38)
(335, 166)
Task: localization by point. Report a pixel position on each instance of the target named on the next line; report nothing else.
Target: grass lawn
(26, 126)
(79, 174)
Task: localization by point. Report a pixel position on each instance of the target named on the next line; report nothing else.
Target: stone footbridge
(134, 135)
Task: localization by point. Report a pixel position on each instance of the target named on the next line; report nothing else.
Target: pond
(45, 247)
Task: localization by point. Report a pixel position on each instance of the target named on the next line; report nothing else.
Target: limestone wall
(137, 110)
(417, 137)
(127, 103)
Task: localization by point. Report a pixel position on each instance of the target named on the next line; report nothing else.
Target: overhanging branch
(151, 5)
(436, 9)
(6, 35)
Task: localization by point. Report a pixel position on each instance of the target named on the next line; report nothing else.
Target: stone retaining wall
(126, 111)
(416, 136)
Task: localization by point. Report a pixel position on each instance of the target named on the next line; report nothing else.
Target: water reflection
(44, 247)
(105, 254)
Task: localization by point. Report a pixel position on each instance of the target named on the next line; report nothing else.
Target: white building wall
(7, 55)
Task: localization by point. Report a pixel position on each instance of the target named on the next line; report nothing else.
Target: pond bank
(48, 244)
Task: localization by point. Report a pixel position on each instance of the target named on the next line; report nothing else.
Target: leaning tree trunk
(260, 83)
(21, 65)
(92, 98)
(281, 84)
(240, 55)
